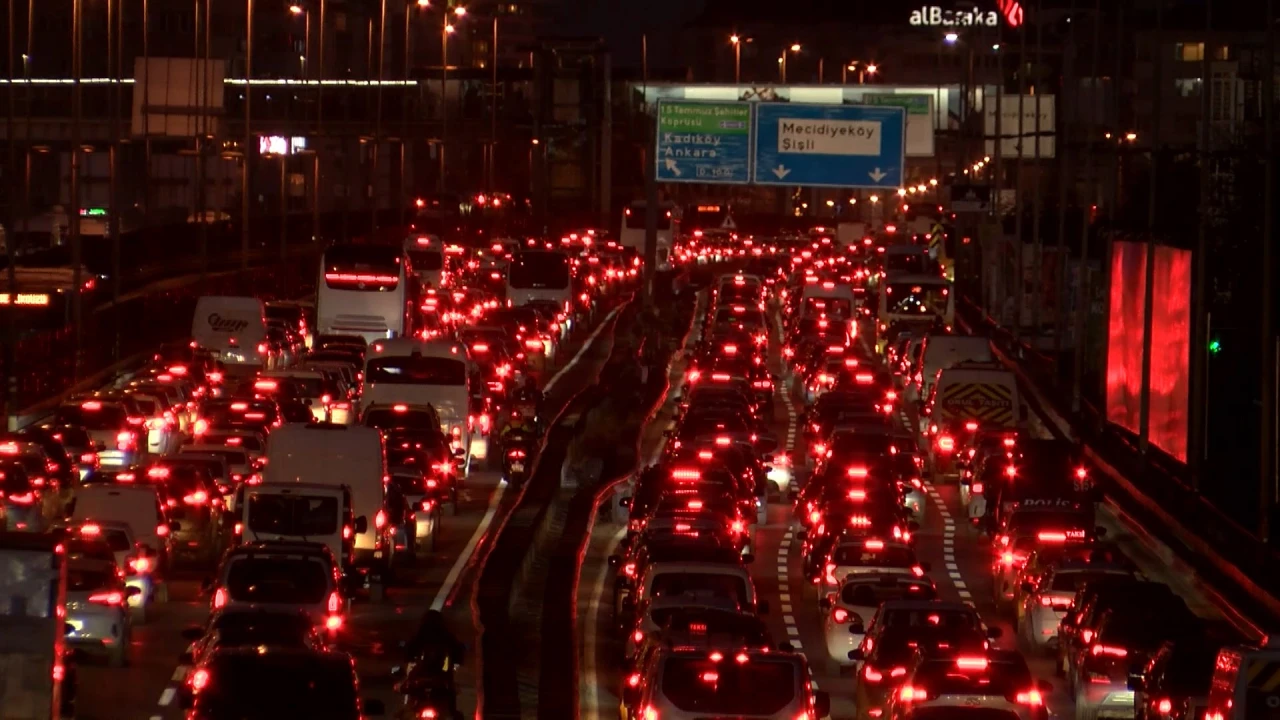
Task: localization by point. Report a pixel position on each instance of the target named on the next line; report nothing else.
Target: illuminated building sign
(29, 299)
(93, 212)
(277, 145)
(937, 16)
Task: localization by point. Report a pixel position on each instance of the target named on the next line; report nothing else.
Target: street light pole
(10, 240)
(77, 304)
(445, 29)
(737, 58)
(248, 135)
(377, 122)
(315, 161)
(493, 110)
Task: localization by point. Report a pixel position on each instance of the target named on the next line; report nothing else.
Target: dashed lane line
(949, 545)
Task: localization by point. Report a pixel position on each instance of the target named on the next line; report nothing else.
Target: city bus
(540, 276)
(365, 290)
(633, 230)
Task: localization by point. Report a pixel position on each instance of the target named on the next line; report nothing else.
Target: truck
(34, 682)
(966, 398)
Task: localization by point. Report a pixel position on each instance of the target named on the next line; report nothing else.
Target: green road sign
(915, 104)
(703, 142)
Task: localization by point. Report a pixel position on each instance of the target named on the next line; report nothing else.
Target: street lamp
(736, 40)
(446, 30)
(782, 61)
(859, 67)
(951, 38)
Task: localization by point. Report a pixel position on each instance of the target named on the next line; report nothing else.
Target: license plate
(517, 467)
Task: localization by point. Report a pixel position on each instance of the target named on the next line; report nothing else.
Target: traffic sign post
(703, 142)
(844, 146)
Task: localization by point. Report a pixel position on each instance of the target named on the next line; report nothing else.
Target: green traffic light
(1215, 347)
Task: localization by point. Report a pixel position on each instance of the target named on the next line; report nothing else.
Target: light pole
(782, 60)
(863, 70)
(404, 119)
(736, 40)
(493, 108)
(446, 29)
(377, 119)
(248, 134)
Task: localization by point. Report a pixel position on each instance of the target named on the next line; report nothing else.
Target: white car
(997, 681)
(869, 556)
(1044, 606)
(846, 613)
(138, 564)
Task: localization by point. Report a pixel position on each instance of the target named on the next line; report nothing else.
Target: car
(998, 680)
(275, 682)
(250, 627)
(847, 613)
(134, 560)
(295, 576)
(98, 611)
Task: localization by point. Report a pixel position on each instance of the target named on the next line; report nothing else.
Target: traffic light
(1215, 346)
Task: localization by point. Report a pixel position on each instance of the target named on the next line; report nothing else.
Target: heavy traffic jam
(938, 555)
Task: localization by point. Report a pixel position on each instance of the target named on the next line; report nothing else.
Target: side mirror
(1027, 587)
(857, 628)
(192, 633)
(762, 607)
(995, 633)
(614, 561)
(373, 707)
(821, 703)
(1100, 532)
(748, 558)
(361, 525)
(856, 655)
(624, 502)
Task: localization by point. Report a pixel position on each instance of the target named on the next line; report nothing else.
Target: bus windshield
(539, 271)
(635, 217)
(369, 268)
(915, 299)
(916, 263)
(417, 371)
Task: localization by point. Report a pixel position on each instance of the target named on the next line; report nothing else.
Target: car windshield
(706, 687)
(297, 515)
(92, 416)
(277, 580)
(417, 371)
(425, 260)
(274, 685)
(723, 585)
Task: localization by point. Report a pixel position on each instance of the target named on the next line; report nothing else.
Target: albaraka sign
(937, 16)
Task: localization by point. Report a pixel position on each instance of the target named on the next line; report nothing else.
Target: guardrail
(1151, 490)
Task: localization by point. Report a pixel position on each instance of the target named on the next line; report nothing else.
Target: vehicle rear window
(248, 443)
(539, 270)
(277, 580)
(236, 629)
(103, 417)
(239, 414)
(417, 371)
(837, 307)
(384, 419)
(426, 260)
(235, 457)
(860, 556)
(86, 580)
(757, 687)
(117, 540)
(872, 593)
(270, 685)
(942, 618)
(723, 585)
(305, 515)
(946, 678)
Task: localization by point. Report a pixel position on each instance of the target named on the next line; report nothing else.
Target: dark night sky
(622, 24)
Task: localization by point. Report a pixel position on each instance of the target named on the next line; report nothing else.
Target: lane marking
(590, 638)
(167, 696)
(465, 556)
(179, 673)
(591, 340)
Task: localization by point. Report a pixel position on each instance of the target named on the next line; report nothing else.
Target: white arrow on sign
(781, 171)
(877, 175)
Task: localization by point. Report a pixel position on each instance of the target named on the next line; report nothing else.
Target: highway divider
(1150, 492)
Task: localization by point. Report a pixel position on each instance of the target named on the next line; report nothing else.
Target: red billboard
(1170, 343)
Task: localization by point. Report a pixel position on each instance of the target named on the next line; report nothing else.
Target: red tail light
(857, 472)
(872, 675)
(140, 565)
(686, 474)
(114, 597)
(125, 440)
(946, 443)
(198, 497)
(629, 569)
(380, 520)
(859, 521)
(26, 498)
(830, 572)
(1116, 652)
(162, 530)
(971, 426)
(1052, 537)
(1165, 706)
(723, 441)
(1010, 442)
(516, 454)
(912, 694)
(335, 602)
(90, 529)
(262, 348)
(976, 488)
(1010, 471)
(874, 545)
(199, 680)
(738, 527)
(89, 458)
(972, 663)
(840, 616)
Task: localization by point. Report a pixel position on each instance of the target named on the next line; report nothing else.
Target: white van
(338, 456)
(941, 351)
(424, 372)
(300, 512)
(426, 255)
(138, 506)
(827, 298)
(234, 329)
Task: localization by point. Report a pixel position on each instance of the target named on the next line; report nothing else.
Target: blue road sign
(847, 146)
(703, 142)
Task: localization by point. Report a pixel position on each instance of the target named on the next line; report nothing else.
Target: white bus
(426, 254)
(633, 230)
(365, 290)
(437, 373)
(540, 276)
(915, 298)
